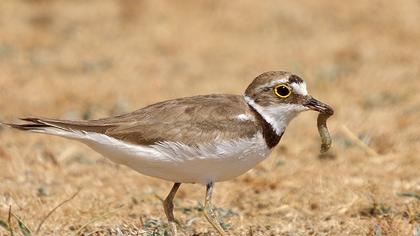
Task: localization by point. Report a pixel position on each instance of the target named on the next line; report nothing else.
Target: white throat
(277, 116)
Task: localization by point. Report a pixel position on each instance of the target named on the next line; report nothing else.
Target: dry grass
(87, 59)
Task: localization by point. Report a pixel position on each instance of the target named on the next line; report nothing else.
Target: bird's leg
(168, 206)
(208, 211)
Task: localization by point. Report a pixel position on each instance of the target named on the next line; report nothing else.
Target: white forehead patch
(299, 88)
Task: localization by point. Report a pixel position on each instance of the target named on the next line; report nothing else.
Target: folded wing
(190, 120)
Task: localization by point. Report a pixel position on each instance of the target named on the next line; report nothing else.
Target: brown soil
(88, 59)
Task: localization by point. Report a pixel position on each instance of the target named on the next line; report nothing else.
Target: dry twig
(359, 142)
(53, 210)
(97, 218)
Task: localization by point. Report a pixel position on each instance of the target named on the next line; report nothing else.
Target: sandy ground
(88, 59)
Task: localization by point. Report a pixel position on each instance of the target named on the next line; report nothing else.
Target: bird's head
(279, 96)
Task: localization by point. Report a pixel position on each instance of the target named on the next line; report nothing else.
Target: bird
(200, 139)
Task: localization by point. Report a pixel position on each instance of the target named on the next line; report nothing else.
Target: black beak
(318, 106)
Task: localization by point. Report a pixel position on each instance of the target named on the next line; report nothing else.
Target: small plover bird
(200, 139)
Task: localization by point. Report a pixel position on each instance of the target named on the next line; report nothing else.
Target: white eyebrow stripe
(273, 83)
(277, 82)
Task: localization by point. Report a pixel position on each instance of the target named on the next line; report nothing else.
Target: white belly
(211, 162)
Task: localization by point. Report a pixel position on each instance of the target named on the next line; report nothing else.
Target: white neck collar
(277, 116)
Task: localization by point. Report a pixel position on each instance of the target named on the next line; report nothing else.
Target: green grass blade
(409, 194)
(6, 226)
(23, 228)
(25, 231)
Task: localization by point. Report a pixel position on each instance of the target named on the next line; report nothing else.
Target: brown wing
(188, 120)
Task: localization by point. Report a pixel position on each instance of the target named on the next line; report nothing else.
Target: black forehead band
(295, 79)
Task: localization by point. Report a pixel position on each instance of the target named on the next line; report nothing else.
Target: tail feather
(35, 124)
(27, 127)
(40, 125)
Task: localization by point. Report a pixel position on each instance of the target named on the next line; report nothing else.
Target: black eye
(282, 91)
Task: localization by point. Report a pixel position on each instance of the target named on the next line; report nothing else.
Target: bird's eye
(282, 91)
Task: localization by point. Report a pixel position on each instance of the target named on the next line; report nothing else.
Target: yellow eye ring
(282, 91)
